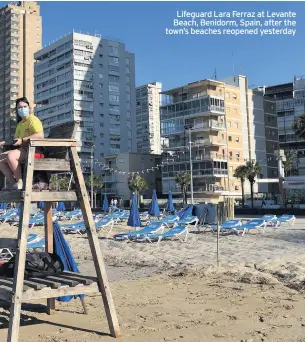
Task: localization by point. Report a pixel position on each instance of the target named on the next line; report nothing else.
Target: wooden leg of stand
(94, 245)
(84, 305)
(15, 310)
(49, 246)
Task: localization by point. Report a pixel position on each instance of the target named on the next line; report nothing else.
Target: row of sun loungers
(168, 227)
(257, 224)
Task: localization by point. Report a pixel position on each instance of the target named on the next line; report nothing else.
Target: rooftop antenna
(215, 74)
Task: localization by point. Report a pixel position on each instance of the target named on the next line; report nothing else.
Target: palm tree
(184, 180)
(290, 162)
(97, 185)
(241, 173)
(253, 170)
(136, 184)
(299, 126)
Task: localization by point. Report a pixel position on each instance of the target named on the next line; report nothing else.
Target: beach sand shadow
(26, 320)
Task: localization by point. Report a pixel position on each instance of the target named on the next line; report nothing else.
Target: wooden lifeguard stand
(18, 289)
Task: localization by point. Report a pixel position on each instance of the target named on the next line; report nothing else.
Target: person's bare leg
(5, 169)
(14, 158)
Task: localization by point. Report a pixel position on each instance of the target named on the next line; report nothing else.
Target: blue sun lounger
(226, 226)
(289, 219)
(9, 215)
(188, 220)
(257, 224)
(270, 219)
(168, 220)
(37, 220)
(81, 228)
(151, 228)
(34, 243)
(175, 232)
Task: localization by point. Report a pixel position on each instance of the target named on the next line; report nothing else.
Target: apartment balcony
(199, 156)
(205, 125)
(115, 131)
(206, 106)
(114, 150)
(209, 188)
(204, 189)
(214, 141)
(109, 190)
(109, 179)
(211, 172)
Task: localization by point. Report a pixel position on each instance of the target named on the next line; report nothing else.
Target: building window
(127, 61)
(230, 138)
(114, 78)
(127, 70)
(114, 98)
(127, 78)
(237, 139)
(237, 156)
(113, 60)
(114, 88)
(236, 124)
(234, 96)
(229, 123)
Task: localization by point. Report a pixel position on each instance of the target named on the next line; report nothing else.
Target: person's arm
(26, 139)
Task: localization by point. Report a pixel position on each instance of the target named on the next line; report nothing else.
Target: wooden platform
(37, 196)
(66, 284)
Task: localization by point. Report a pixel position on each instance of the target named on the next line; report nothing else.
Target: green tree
(253, 170)
(299, 126)
(136, 184)
(241, 173)
(59, 182)
(97, 186)
(290, 162)
(183, 179)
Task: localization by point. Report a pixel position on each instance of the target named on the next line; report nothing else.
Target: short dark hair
(21, 99)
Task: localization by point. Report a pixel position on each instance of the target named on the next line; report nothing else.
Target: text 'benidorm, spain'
(235, 23)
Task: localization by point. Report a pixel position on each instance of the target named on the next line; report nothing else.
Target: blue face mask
(24, 112)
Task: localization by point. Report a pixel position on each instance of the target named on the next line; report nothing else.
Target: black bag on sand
(40, 264)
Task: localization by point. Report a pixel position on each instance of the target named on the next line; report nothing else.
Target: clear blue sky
(176, 60)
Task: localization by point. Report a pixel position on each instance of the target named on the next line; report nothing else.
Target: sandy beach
(175, 292)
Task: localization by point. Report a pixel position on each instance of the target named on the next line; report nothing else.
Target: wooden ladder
(18, 290)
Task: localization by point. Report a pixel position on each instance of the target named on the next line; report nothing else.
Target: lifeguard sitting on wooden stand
(61, 150)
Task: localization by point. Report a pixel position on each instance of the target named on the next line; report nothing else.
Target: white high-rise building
(91, 80)
(148, 118)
